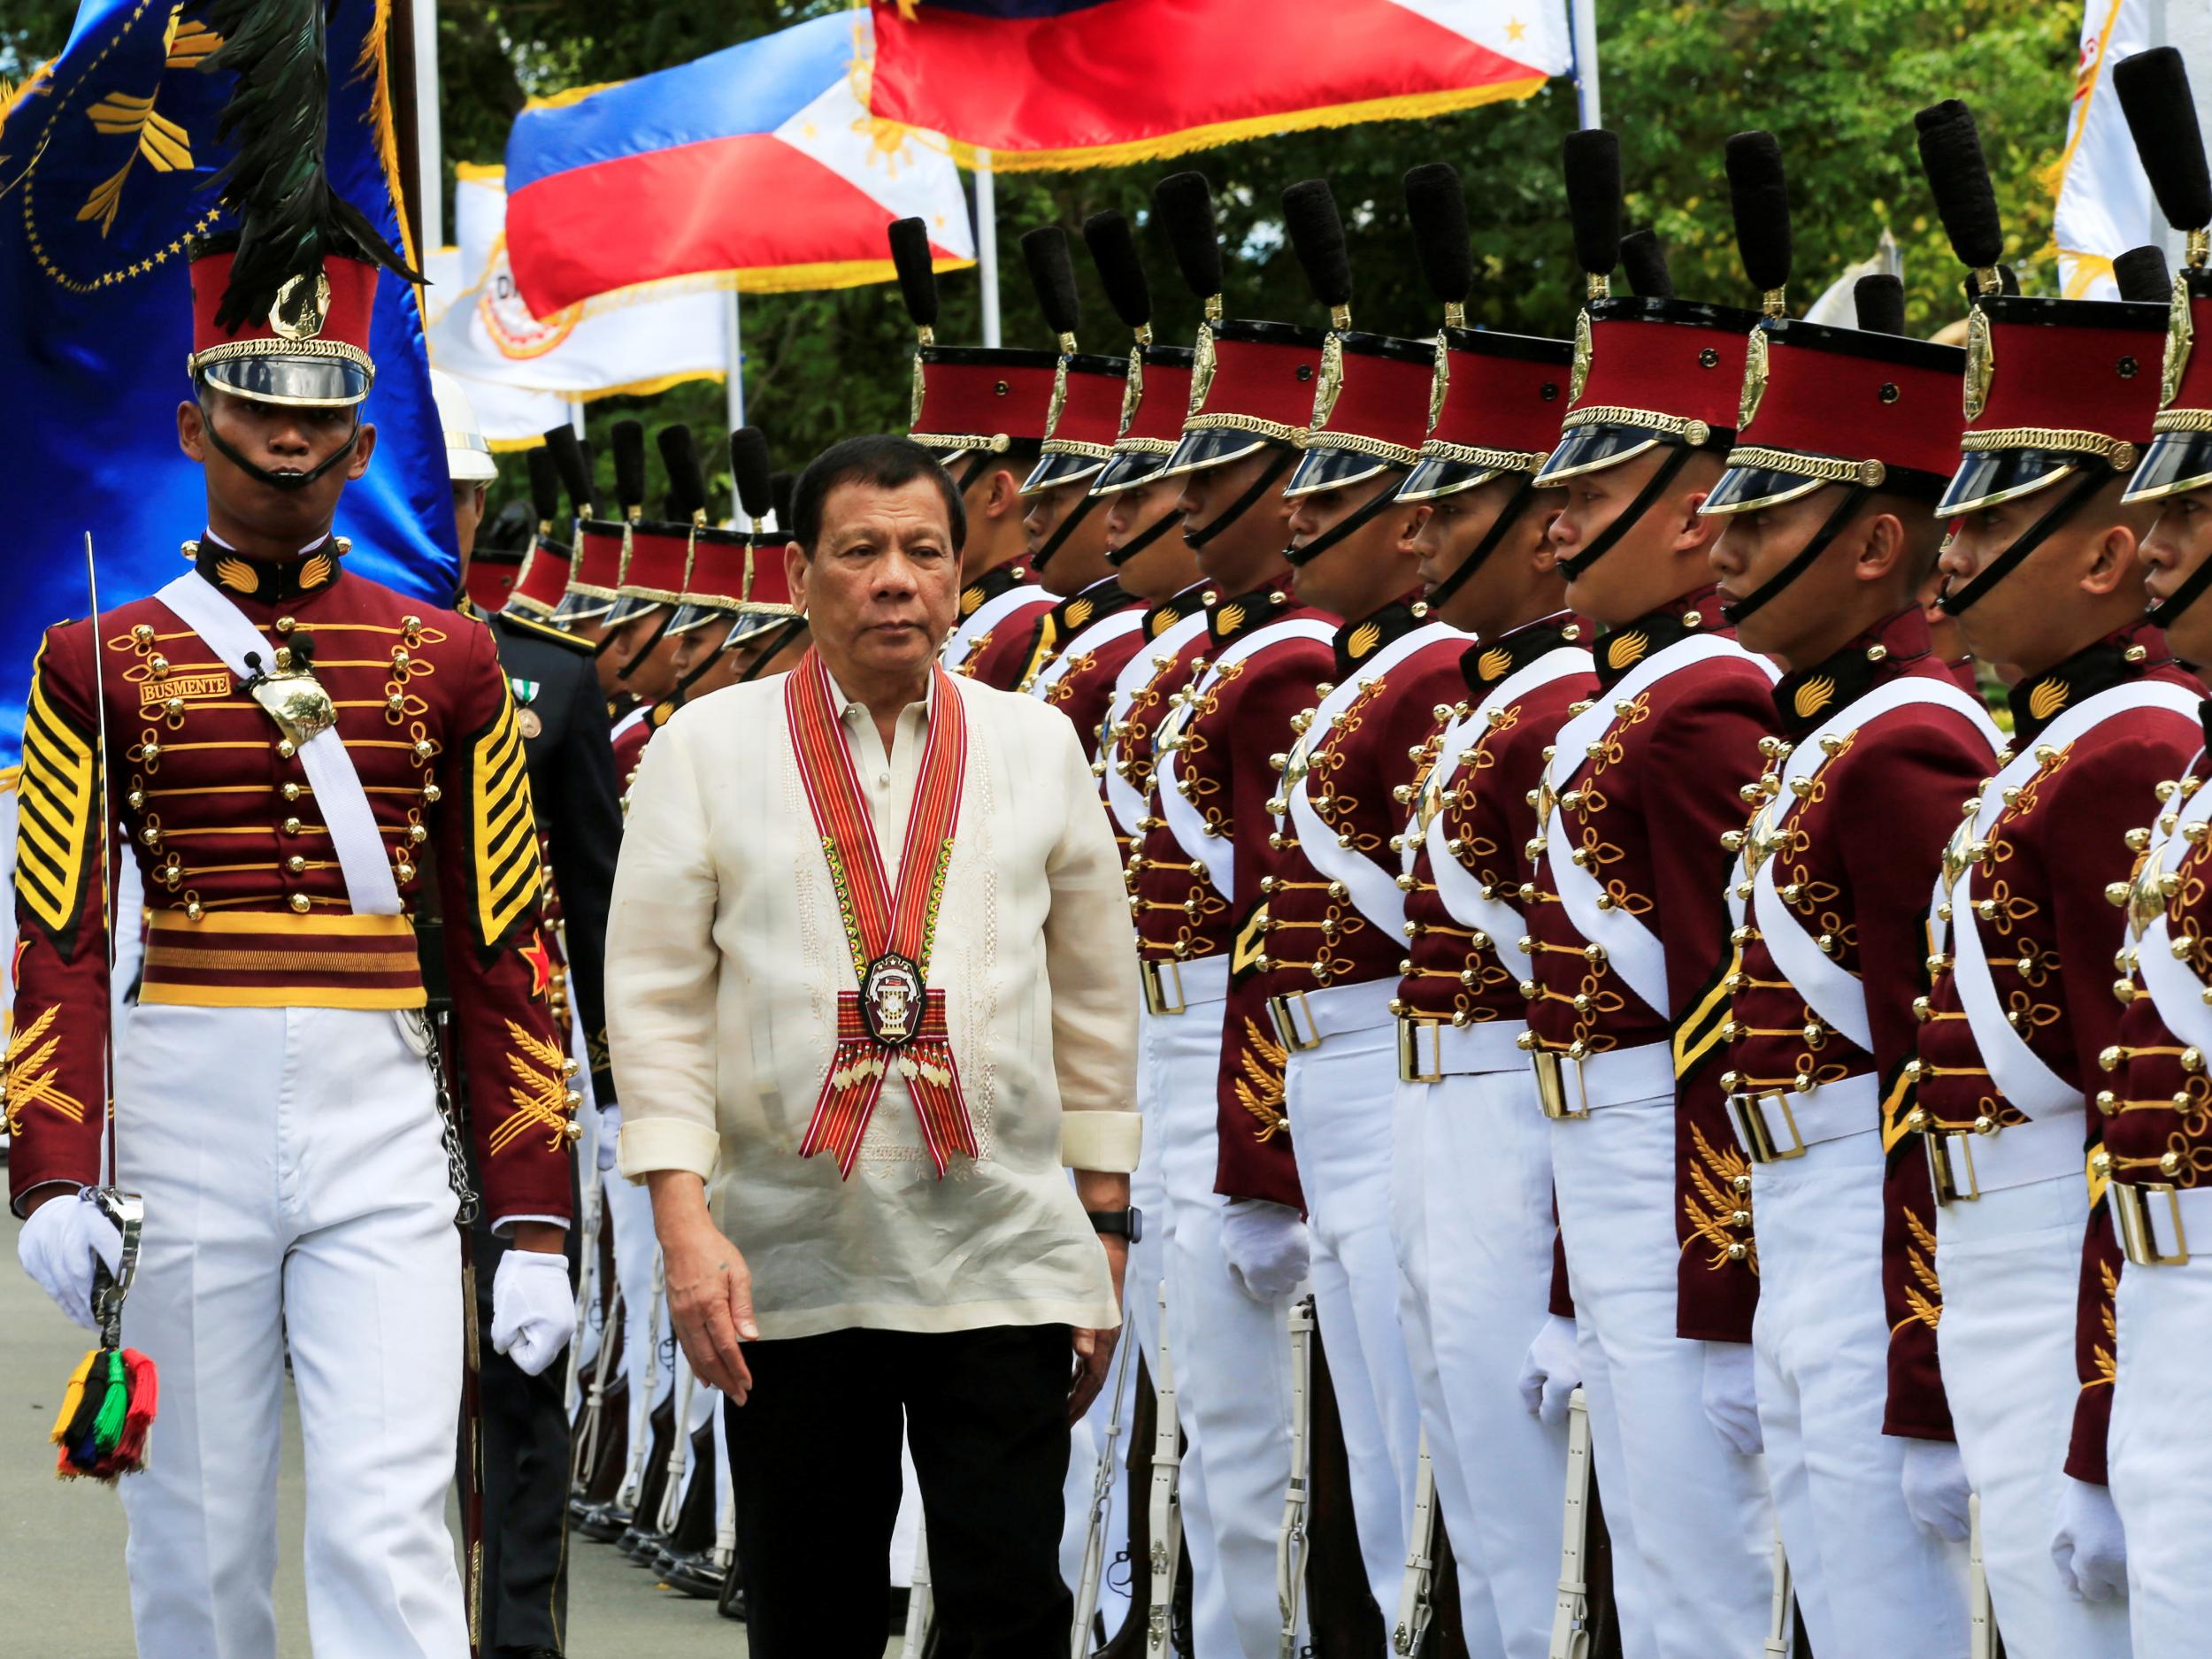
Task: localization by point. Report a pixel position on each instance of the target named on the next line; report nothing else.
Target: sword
(1983, 1641)
(1290, 1544)
(1415, 1607)
(919, 1602)
(1570, 1615)
(1166, 1501)
(1782, 1633)
(1101, 1492)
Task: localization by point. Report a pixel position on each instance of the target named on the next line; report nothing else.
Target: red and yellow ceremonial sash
(892, 1017)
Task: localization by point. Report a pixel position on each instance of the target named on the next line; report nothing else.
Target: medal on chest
(892, 1019)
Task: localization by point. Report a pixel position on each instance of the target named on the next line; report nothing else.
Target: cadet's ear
(1884, 546)
(364, 447)
(192, 430)
(2114, 562)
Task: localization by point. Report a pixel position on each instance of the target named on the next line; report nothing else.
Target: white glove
(1935, 1489)
(2091, 1546)
(60, 1241)
(1552, 1371)
(533, 1310)
(1731, 1397)
(1266, 1246)
(610, 1132)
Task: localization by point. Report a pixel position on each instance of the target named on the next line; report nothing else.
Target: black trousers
(814, 1458)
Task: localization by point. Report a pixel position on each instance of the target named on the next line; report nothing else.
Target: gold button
(431, 792)
(290, 792)
(416, 832)
(296, 864)
(2169, 1163)
(286, 748)
(301, 902)
(405, 872)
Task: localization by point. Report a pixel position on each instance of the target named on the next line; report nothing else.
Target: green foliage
(1837, 83)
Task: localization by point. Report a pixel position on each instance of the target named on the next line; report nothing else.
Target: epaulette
(540, 630)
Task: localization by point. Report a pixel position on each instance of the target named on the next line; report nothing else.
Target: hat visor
(581, 608)
(2176, 463)
(1328, 467)
(1127, 468)
(751, 624)
(1749, 488)
(292, 382)
(1588, 448)
(1434, 476)
(1055, 470)
(1213, 446)
(470, 466)
(1986, 476)
(690, 617)
(629, 607)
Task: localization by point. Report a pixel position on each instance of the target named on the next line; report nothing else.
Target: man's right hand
(63, 1239)
(710, 1287)
(1267, 1247)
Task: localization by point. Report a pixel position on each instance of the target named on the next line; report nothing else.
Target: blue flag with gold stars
(106, 159)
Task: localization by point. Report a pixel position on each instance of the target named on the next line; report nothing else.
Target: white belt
(1176, 987)
(1306, 1020)
(1782, 1122)
(1430, 1050)
(2156, 1220)
(1965, 1163)
(1568, 1088)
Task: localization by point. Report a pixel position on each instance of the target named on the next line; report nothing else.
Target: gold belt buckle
(2132, 1210)
(1155, 975)
(1550, 1068)
(1284, 1010)
(1758, 1132)
(1942, 1172)
(1409, 1029)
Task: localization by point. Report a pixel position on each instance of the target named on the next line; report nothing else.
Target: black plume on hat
(1880, 300)
(1045, 251)
(1951, 155)
(781, 485)
(1760, 197)
(680, 456)
(2153, 87)
(1592, 161)
(748, 465)
(1316, 236)
(1114, 251)
(917, 277)
(545, 484)
(629, 463)
(568, 457)
(1184, 204)
(1436, 203)
(275, 184)
(1645, 263)
(2142, 274)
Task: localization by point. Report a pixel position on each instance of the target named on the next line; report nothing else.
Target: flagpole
(429, 141)
(1584, 15)
(733, 382)
(987, 243)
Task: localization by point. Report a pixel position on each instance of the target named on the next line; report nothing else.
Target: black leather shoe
(695, 1574)
(604, 1522)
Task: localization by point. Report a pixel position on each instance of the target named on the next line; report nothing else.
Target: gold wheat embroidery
(1924, 1297)
(1260, 1089)
(30, 1081)
(542, 1097)
(1716, 1201)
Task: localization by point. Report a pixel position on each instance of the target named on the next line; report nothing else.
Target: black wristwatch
(1128, 1223)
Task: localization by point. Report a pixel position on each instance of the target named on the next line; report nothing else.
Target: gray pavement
(62, 1588)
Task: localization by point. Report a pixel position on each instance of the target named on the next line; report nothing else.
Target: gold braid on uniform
(29, 1080)
(503, 831)
(542, 1096)
(56, 805)
(1712, 1208)
(1924, 1297)
(1260, 1090)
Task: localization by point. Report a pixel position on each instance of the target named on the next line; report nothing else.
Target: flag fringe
(1406, 107)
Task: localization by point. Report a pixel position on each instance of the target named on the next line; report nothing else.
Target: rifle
(1101, 1494)
(1415, 1607)
(1290, 1544)
(1166, 1551)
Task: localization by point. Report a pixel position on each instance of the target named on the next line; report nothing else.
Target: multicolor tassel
(102, 1427)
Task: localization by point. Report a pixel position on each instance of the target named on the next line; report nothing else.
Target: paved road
(62, 1591)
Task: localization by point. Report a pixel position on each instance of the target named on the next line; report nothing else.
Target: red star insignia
(540, 961)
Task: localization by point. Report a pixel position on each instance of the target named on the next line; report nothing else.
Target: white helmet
(468, 457)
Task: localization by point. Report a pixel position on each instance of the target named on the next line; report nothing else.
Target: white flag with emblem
(2105, 205)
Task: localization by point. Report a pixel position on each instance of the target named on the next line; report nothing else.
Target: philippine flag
(1070, 83)
(762, 160)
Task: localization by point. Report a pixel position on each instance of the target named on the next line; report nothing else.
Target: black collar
(2114, 660)
(1620, 650)
(1486, 662)
(1087, 605)
(1805, 696)
(990, 585)
(1173, 608)
(1356, 641)
(271, 581)
(1232, 619)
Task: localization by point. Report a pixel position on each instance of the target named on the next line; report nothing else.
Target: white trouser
(647, 1364)
(1872, 1585)
(1693, 1531)
(1232, 1359)
(2010, 1265)
(1338, 1096)
(2160, 1449)
(1470, 1209)
(297, 1196)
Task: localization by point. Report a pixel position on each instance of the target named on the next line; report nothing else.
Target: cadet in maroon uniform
(1233, 1268)
(1628, 934)
(2043, 574)
(1471, 1156)
(1844, 440)
(2157, 1130)
(287, 748)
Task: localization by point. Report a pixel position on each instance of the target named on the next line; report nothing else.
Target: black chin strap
(1059, 538)
(601, 646)
(278, 480)
(1243, 503)
(1609, 537)
(1120, 555)
(1516, 504)
(646, 649)
(2168, 610)
(789, 632)
(1854, 497)
(1351, 525)
(2091, 481)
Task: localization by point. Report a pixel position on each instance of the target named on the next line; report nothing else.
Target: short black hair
(878, 459)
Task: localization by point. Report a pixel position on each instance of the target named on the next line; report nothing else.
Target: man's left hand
(1095, 1349)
